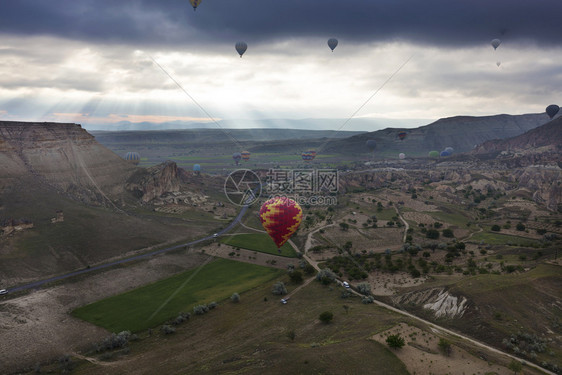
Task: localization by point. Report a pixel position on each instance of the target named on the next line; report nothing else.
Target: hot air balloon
(402, 135)
(306, 156)
(433, 154)
(450, 150)
(195, 3)
(402, 156)
(445, 153)
(332, 43)
(241, 47)
(245, 155)
(313, 153)
(133, 157)
(280, 217)
(237, 156)
(495, 43)
(552, 110)
(196, 168)
(498, 64)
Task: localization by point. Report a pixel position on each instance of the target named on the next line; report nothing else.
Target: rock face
(437, 300)
(63, 156)
(155, 181)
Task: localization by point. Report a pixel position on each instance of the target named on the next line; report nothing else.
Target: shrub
(448, 233)
(496, 228)
(325, 276)
(520, 227)
(200, 309)
(182, 317)
(166, 329)
(279, 289)
(235, 297)
(364, 288)
(444, 346)
(212, 305)
(432, 233)
(395, 341)
(326, 317)
(367, 299)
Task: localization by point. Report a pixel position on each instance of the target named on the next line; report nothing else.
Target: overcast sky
(93, 61)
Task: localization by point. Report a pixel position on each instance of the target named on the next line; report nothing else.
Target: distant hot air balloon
(371, 144)
(450, 150)
(433, 154)
(133, 157)
(445, 153)
(237, 156)
(402, 156)
(280, 217)
(195, 3)
(332, 43)
(245, 155)
(196, 168)
(402, 135)
(552, 110)
(498, 64)
(241, 47)
(495, 43)
(306, 156)
(313, 153)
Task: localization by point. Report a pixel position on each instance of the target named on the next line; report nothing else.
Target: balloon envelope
(371, 144)
(402, 135)
(245, 155)
(195, 3)
(433, 154)
(241, 47)
(498, 64)
(552, 110)
(280, 217)
(196, 168)
(495, 43)
(445, 153)
(332, 43)
(237, 156)
(402, 156)
(450, 150)
(306, 156)
(133, 157)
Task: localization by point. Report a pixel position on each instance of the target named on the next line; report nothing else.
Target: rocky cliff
(63, 156)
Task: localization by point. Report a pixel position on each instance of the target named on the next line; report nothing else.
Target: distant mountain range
(462, 133)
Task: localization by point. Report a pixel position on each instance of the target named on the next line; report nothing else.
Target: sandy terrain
(421, 354)
(385, 284)
(37, 327)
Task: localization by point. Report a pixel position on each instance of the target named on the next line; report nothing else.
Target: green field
(156, 303)
(453, 218)
(259, 242)
(502, 239)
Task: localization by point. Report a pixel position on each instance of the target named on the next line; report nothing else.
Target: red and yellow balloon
(280, 217)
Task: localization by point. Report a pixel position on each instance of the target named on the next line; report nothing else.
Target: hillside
(462, 133)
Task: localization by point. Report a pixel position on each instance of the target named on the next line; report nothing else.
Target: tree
(279, 288)
(344, 226)
(520, 227)
(326, 317)
(395, 341)
(445, 346)
(325, 276)
(432, 233)
(496, 228)
(515, 366)
(448, 233)
(296, 277)
(364, 288)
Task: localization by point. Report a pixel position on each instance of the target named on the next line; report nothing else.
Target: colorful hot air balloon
(313, 153)
(402, 135)
(402, 156)
(495, 43)
(445, 153)
(433, 154)
(241, 47)
(280, 217)
(306, 156)
(245, 155)
(237, 156)
(552, 110)
(133, 157)
(195, 3)
(196, 168)
(332, 43)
